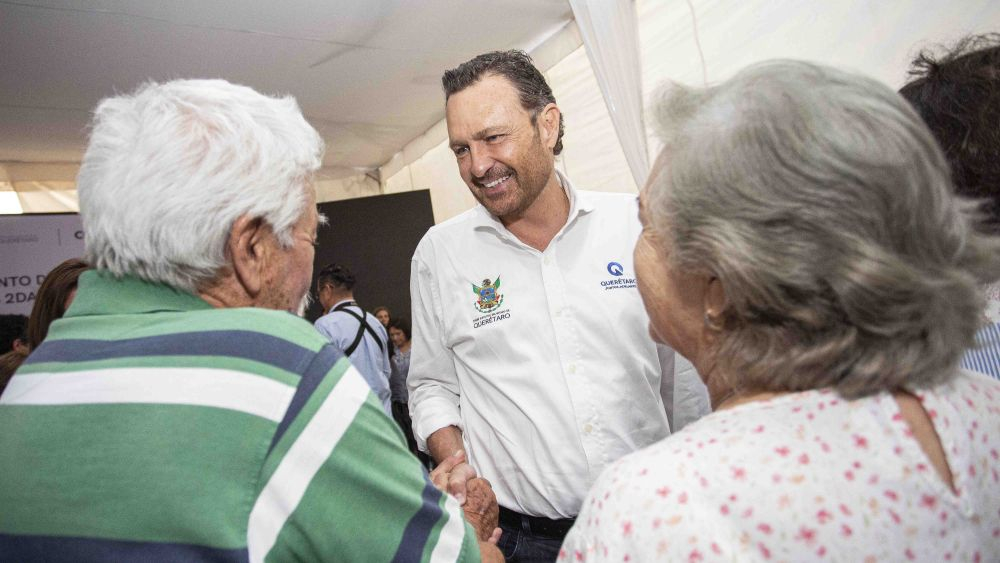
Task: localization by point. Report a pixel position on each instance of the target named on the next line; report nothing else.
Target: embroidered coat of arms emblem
(489, 297)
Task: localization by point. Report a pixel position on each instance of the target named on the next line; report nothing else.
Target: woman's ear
(714, 303)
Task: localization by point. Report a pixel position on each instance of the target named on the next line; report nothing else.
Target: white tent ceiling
(366, 72)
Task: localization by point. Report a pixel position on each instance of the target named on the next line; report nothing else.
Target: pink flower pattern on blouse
(806, 477)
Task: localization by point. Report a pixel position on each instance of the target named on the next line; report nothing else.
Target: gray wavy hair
(823, 205)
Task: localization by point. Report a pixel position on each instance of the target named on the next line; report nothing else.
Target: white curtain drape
(611, 37)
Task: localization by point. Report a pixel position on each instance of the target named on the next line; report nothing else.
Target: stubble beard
(304, 304)
(283, 299)
(523, 194)
(510, 203)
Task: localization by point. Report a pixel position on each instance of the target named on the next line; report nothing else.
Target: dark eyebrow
(480, 135)
(488, 132)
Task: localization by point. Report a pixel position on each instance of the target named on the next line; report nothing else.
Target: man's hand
(478, 501)
(452, 474)
(481, 509)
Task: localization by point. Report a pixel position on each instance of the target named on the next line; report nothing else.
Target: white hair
(823, 205)
(170, 168)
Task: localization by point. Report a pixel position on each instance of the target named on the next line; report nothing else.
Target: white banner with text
(30, 246)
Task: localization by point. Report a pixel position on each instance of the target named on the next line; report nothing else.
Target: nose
(481, 161)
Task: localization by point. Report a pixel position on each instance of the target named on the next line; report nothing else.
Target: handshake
(454, 475)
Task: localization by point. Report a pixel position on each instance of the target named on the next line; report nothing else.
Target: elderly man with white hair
(178, 411)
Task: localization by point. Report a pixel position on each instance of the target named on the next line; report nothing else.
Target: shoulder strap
(362, 327)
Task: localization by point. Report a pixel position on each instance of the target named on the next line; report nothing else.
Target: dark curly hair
(958, 96)
(403, 324)
(517, 67)
(337, 275)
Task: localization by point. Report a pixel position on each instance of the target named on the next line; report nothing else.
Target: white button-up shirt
(543, 359)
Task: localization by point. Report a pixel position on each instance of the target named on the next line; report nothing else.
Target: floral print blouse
(806, 477)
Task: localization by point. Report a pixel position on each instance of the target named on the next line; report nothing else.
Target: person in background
(180, 411)
(13, 332)
(52, 300)
(958, 96)
(400, 335)
(9, 363)
(529, 348)
(803, 248)
(384, 316)
(353, 331)
(13, 345)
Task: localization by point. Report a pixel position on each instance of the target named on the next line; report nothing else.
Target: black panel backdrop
(375, 237)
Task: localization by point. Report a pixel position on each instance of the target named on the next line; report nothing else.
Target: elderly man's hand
(481, 509)
(452, 474)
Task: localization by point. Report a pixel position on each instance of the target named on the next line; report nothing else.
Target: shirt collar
(579, 203)
(337, 304)
(100, 292)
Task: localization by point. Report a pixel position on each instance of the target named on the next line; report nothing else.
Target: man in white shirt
(530, 346)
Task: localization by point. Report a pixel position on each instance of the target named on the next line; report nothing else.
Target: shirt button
(588, 428)
(546, 260)
(571, 368)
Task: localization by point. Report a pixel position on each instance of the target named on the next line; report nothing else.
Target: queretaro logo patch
(489, 298)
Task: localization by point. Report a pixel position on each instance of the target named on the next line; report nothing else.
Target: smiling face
(397, 336)
(383, 316)
(503, 156)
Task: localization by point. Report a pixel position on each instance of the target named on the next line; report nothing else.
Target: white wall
(346, 187)
(433, 168)
(877, 38)
(592, 156)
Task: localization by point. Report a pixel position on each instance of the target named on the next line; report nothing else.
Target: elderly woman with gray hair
(803, 248)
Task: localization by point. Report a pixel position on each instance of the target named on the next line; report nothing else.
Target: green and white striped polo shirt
(150, 426)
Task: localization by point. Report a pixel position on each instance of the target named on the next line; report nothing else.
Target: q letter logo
(615, 269)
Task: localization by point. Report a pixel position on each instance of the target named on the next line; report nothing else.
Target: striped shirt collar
(101, 293)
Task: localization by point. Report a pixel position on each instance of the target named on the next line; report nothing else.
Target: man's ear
(247, 248)
(548, 125)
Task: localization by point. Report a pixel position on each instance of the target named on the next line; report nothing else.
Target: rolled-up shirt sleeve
(432, 381)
